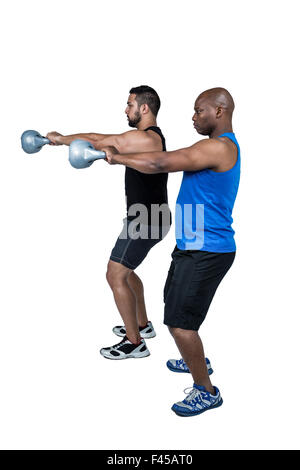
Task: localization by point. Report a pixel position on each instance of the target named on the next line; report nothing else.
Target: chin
(203, 131)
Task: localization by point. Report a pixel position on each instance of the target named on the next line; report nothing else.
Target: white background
(68, 66)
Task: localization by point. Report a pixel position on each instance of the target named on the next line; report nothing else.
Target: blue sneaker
(180, 366)
(197, 401)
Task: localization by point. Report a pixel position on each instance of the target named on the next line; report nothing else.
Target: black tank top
(141, 188)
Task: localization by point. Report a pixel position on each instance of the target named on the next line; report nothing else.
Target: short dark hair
(147, 95)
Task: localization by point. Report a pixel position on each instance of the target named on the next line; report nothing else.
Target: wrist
(61, 140)
(117, 159)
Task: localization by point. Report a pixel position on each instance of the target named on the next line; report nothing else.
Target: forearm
(204, 154)
(90, 137)
(147, 162)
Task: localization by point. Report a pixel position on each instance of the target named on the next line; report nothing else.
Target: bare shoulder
(230, 153)
(152, 140)
(145, 141)
(154, 136)
(222, 149)
(138, 141)
(221, 153)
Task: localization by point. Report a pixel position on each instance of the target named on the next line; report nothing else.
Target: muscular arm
(67, 139)
(130, 141)
(208, 153)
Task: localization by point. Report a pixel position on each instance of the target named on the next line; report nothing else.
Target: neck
(143, 124)
(221, 130)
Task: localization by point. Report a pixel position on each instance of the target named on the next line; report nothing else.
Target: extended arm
(130, 141)
(208, 153)
(59, 139)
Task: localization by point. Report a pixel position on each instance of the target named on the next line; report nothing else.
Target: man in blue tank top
(205, 248)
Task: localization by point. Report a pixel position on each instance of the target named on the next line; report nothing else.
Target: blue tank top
(204, 207)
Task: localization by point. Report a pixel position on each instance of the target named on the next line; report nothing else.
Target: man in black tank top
(144, 193)
(141, 188)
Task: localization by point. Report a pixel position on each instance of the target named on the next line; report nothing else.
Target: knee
(177, 332)
(109, 276)
(180, 334)
(114, 278)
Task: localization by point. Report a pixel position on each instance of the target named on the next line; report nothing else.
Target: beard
(133, 122)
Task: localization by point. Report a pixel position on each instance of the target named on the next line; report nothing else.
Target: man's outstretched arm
(130, 141)
(59, 139)
(208, 153)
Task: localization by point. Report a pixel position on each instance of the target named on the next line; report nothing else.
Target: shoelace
(121, 343)
(192, 394)
(181, 363)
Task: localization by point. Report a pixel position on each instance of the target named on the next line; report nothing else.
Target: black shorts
(192, 281)
(131, 251)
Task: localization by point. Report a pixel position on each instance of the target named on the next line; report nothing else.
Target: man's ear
(145, 108)
(219, 112)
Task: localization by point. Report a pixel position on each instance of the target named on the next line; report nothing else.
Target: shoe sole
(143, 335)
(173, 369)
(179, 413)
(129, 356)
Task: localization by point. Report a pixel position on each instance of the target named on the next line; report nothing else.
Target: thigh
(131, 251)
(115, 269)
(169, 280)
(208, 274)
(121, 245)
(178, 282)
(191, 294)
(137, 251)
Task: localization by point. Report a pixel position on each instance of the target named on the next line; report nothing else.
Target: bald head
(218, 97)
(213, 111)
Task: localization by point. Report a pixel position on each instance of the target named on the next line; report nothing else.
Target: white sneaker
(197, 401)
(125, 349)
(145, 331)
(178, 365)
